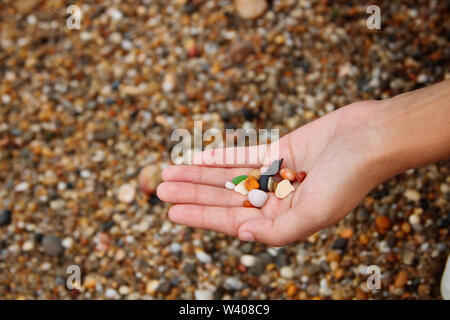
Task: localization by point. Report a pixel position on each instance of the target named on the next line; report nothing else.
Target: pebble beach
(83, 111)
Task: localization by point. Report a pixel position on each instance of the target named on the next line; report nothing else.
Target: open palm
(337, 153)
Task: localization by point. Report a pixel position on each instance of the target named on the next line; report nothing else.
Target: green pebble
(238, 179)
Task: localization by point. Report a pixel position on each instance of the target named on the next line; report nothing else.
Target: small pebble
(412, 195)
(257, 198)
(238, 179)
(52, 245)
(270, 184)
(203, 295)
(240, 188)
(300, 176)
(251, 183)
(287, 272)
(126, 193)
(248, 260)
(288, 174)
(149, 178)
(203, 257)
(247, 204)
(229, 185)
(283, 189)
(5, 217)
(274, 168)
(256, 173)
(264, 182)
(240, 51)
(346, 233)
(250, 9)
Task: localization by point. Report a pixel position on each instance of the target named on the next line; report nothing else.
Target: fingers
(202, 175)
(288, 227)
(184, 192)
(226, 220)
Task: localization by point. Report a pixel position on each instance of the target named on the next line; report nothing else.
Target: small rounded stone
(288, 174)
(283, 189)
(247, 204)
(229, 185)
(257, 198)
(149, 178)
(256, 173)
(300, 176)
(5, 217)
(52, 245)
(240, 188)
(250, 9)
(126, 193)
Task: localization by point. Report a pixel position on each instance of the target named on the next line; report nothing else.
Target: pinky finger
(226, 220)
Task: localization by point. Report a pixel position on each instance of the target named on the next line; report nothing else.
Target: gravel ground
(83, 111)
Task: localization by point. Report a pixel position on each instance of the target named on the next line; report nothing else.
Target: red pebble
(247, 204)
(300, 176)
(242, 268)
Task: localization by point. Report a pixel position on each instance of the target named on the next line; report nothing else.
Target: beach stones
(229, 185)
(260, 181)
(283, 189)
(257, 198)
(240, 188)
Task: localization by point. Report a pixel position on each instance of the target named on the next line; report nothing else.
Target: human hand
(339, 154)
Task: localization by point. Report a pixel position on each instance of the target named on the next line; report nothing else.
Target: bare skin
(345, 153)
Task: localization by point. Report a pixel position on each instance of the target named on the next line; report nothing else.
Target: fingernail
(246, 236)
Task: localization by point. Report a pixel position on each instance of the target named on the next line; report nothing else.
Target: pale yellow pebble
(283, 189)
(256, 173)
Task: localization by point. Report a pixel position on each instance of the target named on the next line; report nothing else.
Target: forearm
(414, 128)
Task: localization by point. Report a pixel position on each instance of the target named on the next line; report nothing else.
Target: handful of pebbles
(256, 184)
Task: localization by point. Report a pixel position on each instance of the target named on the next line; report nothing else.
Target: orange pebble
(287, 174)
(382, 223)
(300, 176)
(251, 183)
(247, 204)
(347, 233)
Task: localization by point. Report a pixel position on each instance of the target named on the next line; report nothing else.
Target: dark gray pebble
(52, 245)
(5, 217)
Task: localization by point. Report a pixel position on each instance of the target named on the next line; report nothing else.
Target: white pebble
(240, 188)
(203, 295)
(287, 272)
(126, 193)
(257, 198)
(248, 260)
(203, 257)
(229, 185)
(21, 187)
